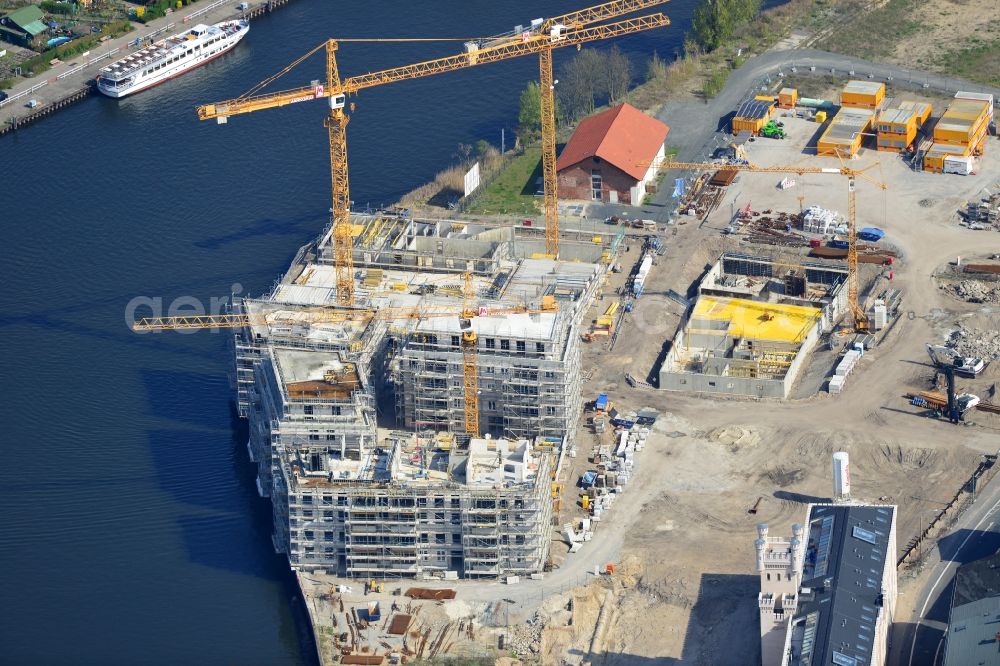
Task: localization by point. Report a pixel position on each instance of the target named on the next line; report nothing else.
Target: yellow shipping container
(897, 128)
(821, 117)
(964, 122)
(863, 94)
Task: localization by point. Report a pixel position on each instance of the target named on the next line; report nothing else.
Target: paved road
(918, 641)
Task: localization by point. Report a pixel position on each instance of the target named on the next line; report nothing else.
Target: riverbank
(69, 82)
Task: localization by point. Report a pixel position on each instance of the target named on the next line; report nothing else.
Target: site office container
(897, 128)
(937, 154)
(921, 110)
(752, 116)
(845, 133)
(788, 98)
(863, 94)
(964, 122)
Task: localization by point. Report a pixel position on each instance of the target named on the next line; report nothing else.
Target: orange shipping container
(922, 110)
(844, 134)
(788, 98)
(863, 94)
(752, 116)
(964, 122)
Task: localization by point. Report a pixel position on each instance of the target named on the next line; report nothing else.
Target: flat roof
(758, 320)
(962, 115)
(298, 366)
(846, 552)
(972, 634)
(541, 326)
(916, 107)
(947, 149)
(863, 87)
(845, 126)
(897, 116)
(312, 323)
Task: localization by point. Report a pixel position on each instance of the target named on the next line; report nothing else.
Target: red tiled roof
(624, 136)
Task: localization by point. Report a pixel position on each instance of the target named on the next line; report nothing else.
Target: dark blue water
(130, 528)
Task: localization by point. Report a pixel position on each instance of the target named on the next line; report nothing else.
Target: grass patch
(980, 63)
(874, 35)
(513, 192)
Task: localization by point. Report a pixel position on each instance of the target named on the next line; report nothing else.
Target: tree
(583, 78)
(529, 117)
(618, 73)
(716, 21)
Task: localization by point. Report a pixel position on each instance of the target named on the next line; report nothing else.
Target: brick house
(603, 160)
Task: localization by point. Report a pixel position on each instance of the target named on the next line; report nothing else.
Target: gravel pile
(977, 291)
(976, 343)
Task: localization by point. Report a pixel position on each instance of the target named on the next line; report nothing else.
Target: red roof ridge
(624, 137)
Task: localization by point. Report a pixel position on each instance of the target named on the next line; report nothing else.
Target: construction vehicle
(857, 311)
(950, 362)
(573, 29)
(967, 366)
(773, 130)
(466, 314)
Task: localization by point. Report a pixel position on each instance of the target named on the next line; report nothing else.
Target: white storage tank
(841, 476)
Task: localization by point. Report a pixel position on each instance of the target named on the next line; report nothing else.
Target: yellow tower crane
(572, 29)
(315, 315)
(857, 312)
(550, 181)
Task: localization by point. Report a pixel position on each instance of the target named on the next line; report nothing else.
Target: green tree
(529, 117)
(716, 21)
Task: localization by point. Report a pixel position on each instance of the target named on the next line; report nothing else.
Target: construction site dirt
(680, 537)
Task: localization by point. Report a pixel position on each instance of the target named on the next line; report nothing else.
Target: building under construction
(357, 417)
(753, 326)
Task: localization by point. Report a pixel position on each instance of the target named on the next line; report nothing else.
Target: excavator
(951, 363)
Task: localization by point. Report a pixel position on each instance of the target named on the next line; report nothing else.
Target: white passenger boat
(170, 57)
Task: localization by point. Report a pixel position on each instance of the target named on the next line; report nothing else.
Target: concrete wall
(672, 379)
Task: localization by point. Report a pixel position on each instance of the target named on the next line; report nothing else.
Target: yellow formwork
(756, 320)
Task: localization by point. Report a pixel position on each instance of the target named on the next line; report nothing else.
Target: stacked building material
(816, 220)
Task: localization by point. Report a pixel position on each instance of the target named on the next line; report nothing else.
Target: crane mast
(857, 312)
(572, 29)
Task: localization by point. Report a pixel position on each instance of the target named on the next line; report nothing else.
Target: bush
(716, 82)
(6, 83)
(53, 7)
(153, 11)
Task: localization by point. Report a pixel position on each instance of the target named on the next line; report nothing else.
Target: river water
(130, 530)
